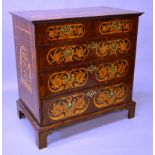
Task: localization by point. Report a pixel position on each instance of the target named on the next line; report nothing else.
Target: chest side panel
(26, 65)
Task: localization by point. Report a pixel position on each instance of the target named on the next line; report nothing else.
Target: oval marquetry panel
(111, 47)
(68, 31)
(25, 68)
(68, 106)
(110, 95)
(67, 54)
(116, 26)
(67, 79)
(109, 71)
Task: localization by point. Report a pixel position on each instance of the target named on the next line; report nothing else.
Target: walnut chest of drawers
(73, 65)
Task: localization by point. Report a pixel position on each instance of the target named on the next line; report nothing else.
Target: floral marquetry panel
(68, 31)
(111, 47)
(25, 68)
(109, 71)
(110, 95)
(67, 54)
(116, 26)
(67, 79)
(68, 106)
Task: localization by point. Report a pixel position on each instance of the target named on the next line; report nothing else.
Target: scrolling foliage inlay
(110, 95)
(25, 68)
(109, 71)
(67, 54)
(67, 79)
(69, 31)
(68, 106)
(116, 26)
(113, 47)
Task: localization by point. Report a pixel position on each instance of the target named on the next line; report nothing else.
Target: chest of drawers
(73, 65)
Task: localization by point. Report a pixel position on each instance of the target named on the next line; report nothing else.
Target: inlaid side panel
(26, 66)
(25, 69)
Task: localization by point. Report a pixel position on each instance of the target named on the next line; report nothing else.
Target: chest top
(57, 14)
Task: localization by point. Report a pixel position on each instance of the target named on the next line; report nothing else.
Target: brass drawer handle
(66, 29)
(91, 93)
(93, 45)
(91, 68)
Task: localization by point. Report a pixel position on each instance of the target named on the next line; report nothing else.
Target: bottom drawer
(71, 105)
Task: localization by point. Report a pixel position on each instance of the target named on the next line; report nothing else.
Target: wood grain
(74, 65)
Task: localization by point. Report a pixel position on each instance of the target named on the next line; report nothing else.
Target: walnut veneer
(73, 65)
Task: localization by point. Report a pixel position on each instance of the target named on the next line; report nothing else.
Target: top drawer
(116, 26)
(61, 32)
(47, 33)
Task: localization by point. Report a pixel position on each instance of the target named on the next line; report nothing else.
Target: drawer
(115, 26)
(59, 32)
(75, 104)
(76, 53)
(69, 31)
(86, 75)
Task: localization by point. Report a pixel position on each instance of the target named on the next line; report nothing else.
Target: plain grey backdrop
(112, 134)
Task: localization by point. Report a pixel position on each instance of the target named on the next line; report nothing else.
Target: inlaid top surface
(72, 13)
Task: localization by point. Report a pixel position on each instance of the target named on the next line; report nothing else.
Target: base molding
(42, 132)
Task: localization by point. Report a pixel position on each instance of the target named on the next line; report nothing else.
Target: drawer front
(116, 26)
(83, 76)
(75, 104)
(49, 33)
(69, 31)
(71, 54)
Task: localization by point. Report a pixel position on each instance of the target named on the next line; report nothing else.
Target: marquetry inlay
(68, 31)
(68, 106)
(116, 26)
(110, 95)
(67, 54)
(25, 68)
